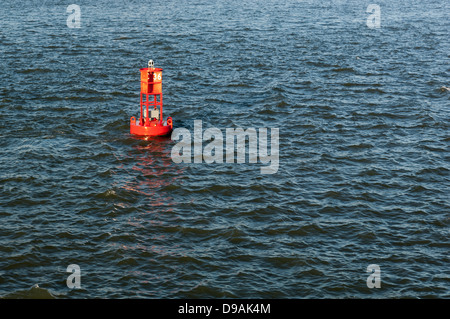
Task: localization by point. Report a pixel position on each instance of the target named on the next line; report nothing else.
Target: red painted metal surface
(155, 128)
(151, 121)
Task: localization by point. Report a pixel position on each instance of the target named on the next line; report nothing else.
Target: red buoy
(151, 121)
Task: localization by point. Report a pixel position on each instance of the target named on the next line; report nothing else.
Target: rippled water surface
(363, 172)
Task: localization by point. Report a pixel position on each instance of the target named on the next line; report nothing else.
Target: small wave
(418, 189)
(344, 70)
(34, 292)
(369, 172)
(375, 90)
(239, 85)
(37, 70)
(353, 84)
(437, 170)
(360, 146)
(268, 112)
(124, 38)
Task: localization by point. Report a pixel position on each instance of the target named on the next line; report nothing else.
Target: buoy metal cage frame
(151, 121)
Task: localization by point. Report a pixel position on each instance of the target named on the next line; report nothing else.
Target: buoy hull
(154, 128)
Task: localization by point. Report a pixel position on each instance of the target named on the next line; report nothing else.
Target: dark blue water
(363, 178)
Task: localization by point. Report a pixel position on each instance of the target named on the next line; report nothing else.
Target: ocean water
(363, 115)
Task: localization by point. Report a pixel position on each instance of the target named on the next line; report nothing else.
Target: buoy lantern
(151, 121)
